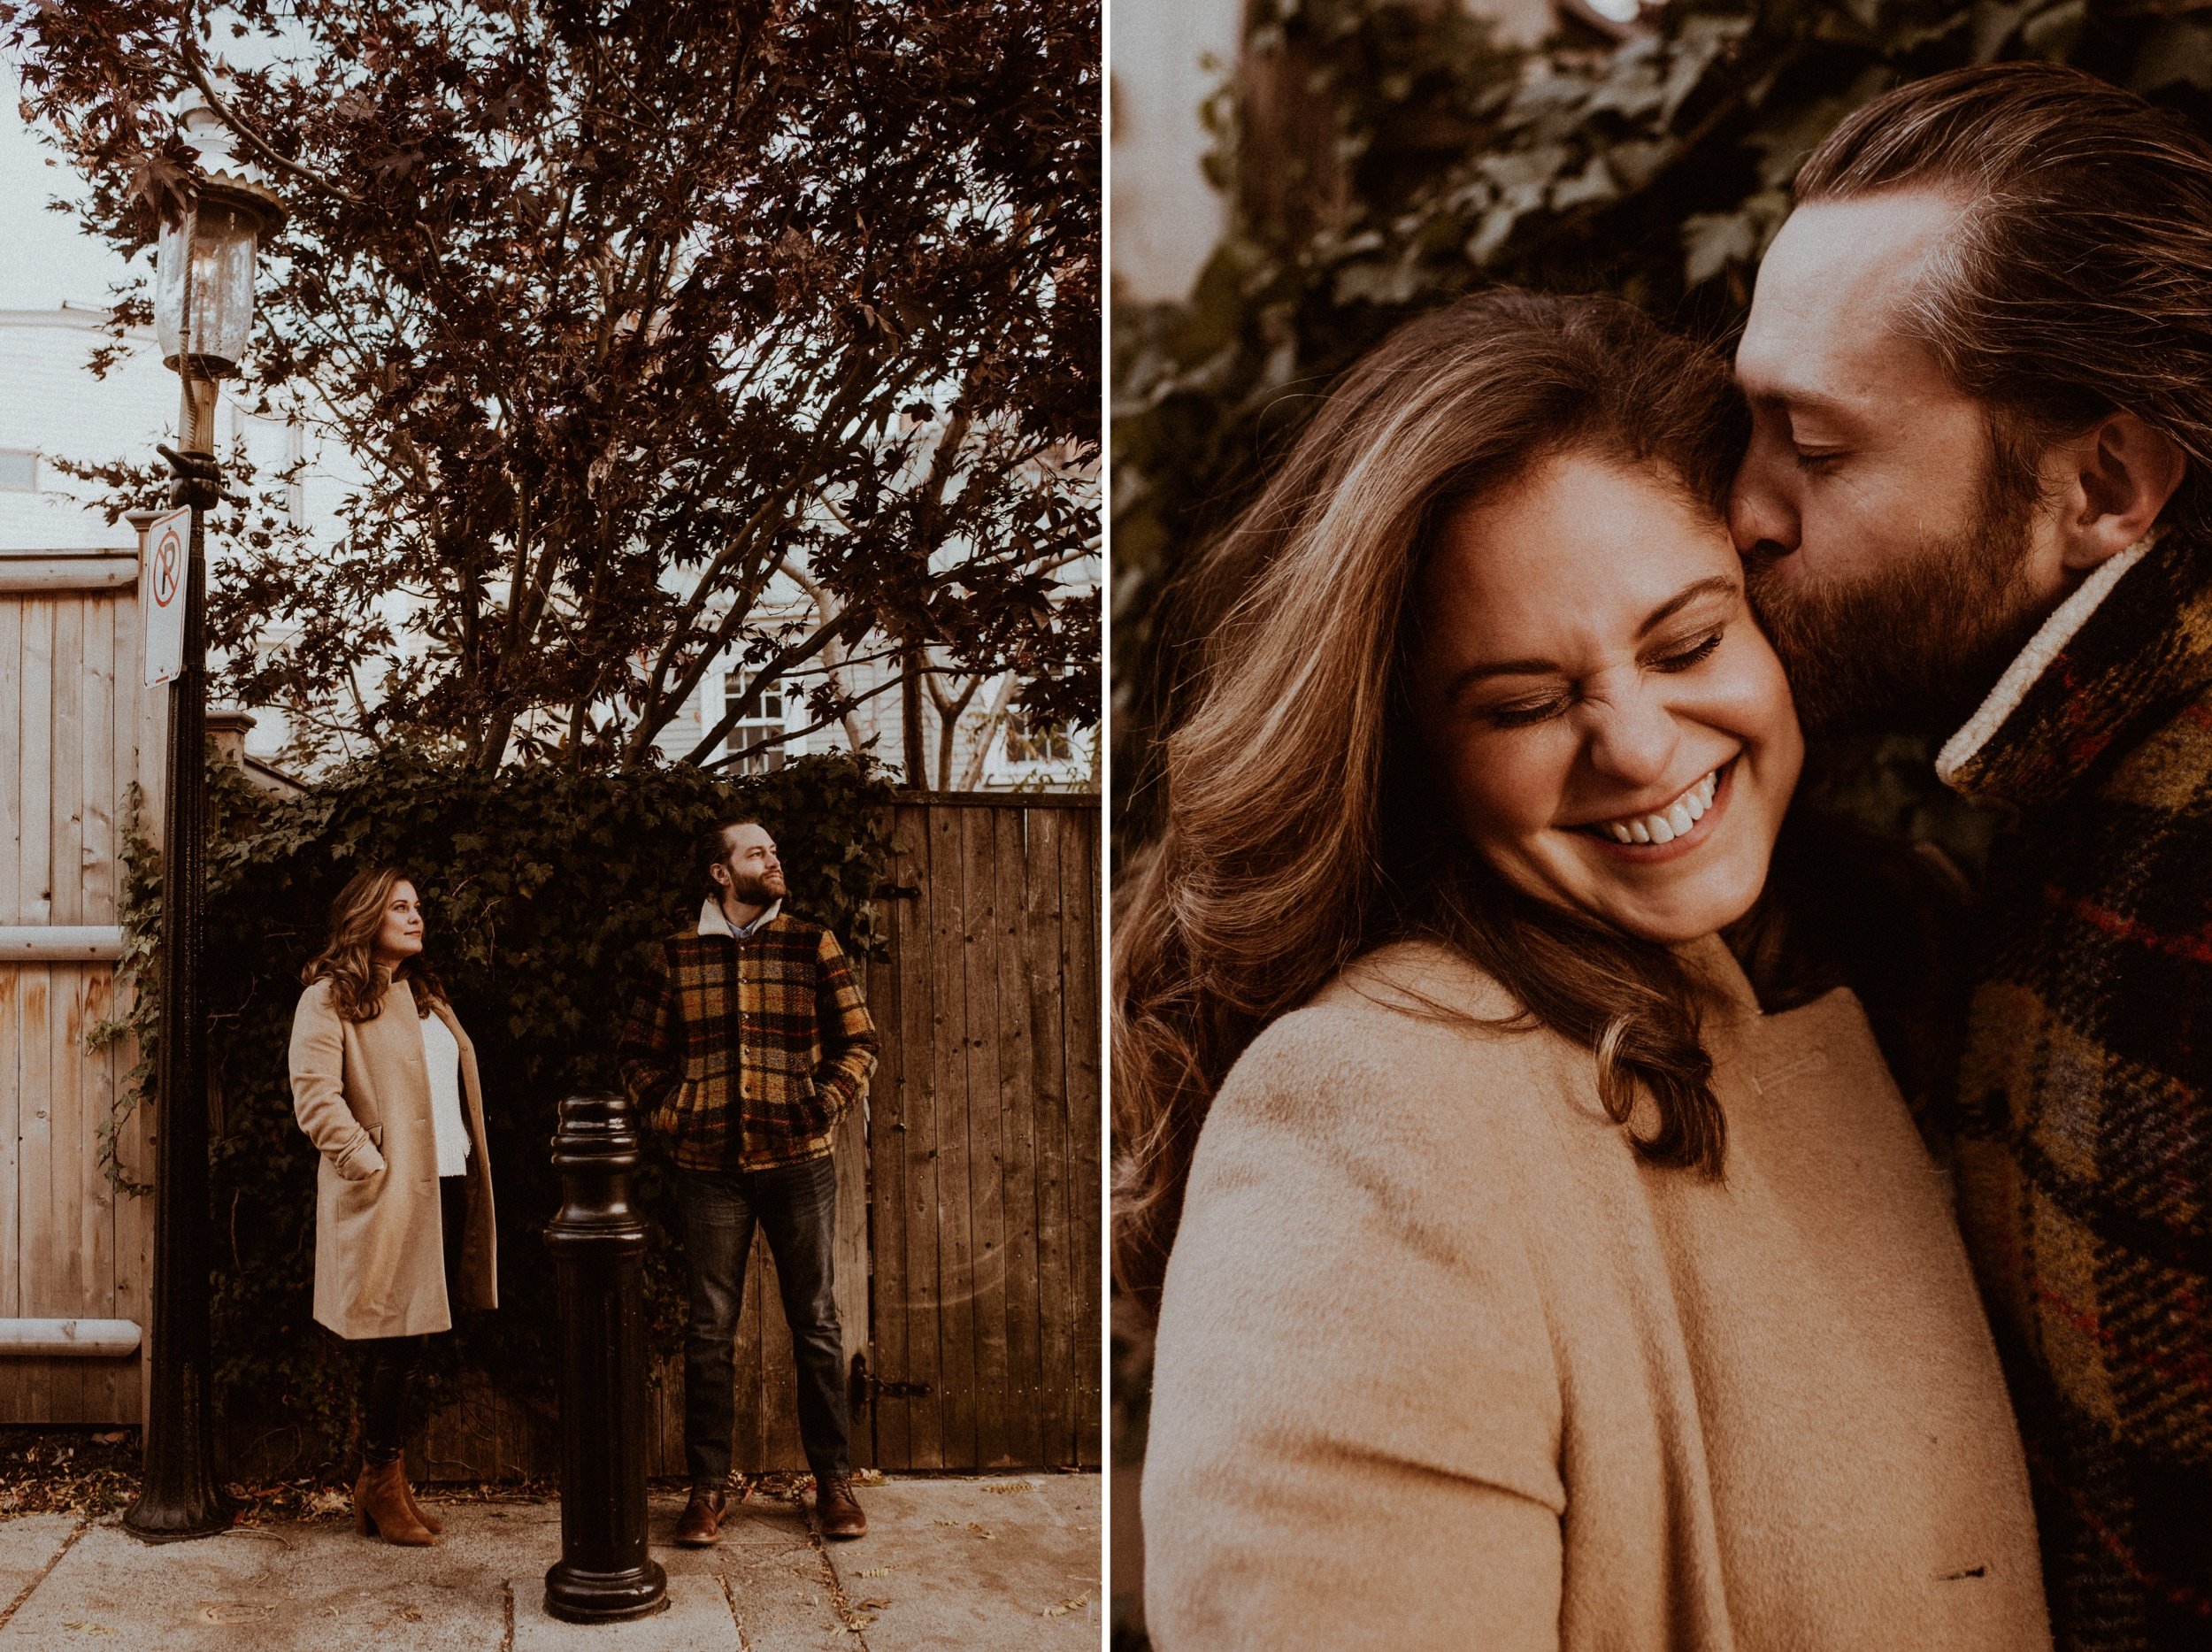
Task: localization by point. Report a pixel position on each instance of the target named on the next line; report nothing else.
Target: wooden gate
(75, 727)
(984, 1138)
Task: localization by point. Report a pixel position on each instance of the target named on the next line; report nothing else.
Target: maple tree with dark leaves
(633, 316)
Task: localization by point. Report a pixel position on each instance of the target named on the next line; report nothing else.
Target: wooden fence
(969, 1196)
(76, 729)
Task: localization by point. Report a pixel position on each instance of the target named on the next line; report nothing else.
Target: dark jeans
(388, 1363)
(795, 1206)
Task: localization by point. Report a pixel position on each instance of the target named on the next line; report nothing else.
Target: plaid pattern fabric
(744, 1053)
(2084, 1161)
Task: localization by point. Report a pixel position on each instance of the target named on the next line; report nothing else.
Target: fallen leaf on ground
(1065, 1606)
(234, 1611)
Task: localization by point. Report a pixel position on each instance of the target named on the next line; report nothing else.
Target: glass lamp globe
(203, 265)
(203, 286)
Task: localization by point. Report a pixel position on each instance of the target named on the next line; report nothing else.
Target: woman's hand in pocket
(363, 1164)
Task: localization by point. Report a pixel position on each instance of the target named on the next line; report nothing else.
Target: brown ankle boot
(835, 1508)
(431, 1522)
(701, 1517)
(380, 1507)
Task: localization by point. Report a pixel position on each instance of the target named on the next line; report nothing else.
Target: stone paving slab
(949, 1565)
(28, 1545)
(1001, 1565)
(698, 1615)
(785, 1598)
(276, 1586)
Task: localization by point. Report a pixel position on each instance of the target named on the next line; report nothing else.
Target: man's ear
(2114, 479)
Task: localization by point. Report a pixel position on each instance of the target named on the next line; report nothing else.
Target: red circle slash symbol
(168, 553)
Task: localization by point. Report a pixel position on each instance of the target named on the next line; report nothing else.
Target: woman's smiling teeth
(1666, 825)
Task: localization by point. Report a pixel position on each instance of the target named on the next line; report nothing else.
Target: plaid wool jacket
(745, 1051)
(2084, 1161)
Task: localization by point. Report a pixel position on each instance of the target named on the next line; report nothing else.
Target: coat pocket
(677, 1103)
(814, 1109)
(356, 1195)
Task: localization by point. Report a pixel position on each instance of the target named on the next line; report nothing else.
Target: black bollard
(598, 1245)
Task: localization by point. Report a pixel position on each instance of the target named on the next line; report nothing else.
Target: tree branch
(197, 72)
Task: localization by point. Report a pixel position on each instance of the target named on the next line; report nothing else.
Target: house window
(19, 471)
(1048, 744)
(762, 720)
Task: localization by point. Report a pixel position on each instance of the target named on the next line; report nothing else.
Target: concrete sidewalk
(964, 1565)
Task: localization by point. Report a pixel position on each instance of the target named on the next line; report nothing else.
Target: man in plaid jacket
(1977, 504)
(744, 1055)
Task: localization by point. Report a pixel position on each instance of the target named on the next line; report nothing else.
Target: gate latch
(866, 1386)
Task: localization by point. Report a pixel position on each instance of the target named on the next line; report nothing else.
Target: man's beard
(748, 890)
(1912, 650)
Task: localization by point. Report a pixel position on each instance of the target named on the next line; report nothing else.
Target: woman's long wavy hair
(358, 982)
(1300, 829)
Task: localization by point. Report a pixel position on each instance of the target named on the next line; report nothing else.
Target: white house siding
(57, 409)
(53, 407)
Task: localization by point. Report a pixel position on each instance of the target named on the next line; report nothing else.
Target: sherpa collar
(714, 921)
(2135, 637)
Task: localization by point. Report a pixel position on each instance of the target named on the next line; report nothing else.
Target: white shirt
(444, 1055)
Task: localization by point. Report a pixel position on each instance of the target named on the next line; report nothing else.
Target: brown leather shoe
(835, 1508)
(702, 1516)
(380, 1507)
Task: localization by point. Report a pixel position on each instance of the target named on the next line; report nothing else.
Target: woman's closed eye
(1521, 713)
(1528, 708)
(1683, 658)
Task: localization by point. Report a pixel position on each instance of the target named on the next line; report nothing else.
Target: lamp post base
(577, 1596)
(170, 1521)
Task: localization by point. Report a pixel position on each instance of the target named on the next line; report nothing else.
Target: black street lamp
(204, 314)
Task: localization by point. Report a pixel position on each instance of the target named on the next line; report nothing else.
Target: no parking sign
(161, 593)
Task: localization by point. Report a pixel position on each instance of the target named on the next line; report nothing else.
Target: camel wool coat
(1442, 1364)
(361, 1091)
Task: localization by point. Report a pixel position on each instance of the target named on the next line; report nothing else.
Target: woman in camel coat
(384, 1083)
(1523, 1284)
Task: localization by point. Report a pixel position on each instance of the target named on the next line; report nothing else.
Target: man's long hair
(358, 982)
(2077, 281)
(1301, 829)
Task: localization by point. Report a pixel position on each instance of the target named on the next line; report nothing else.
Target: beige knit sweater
(1442, 1365)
